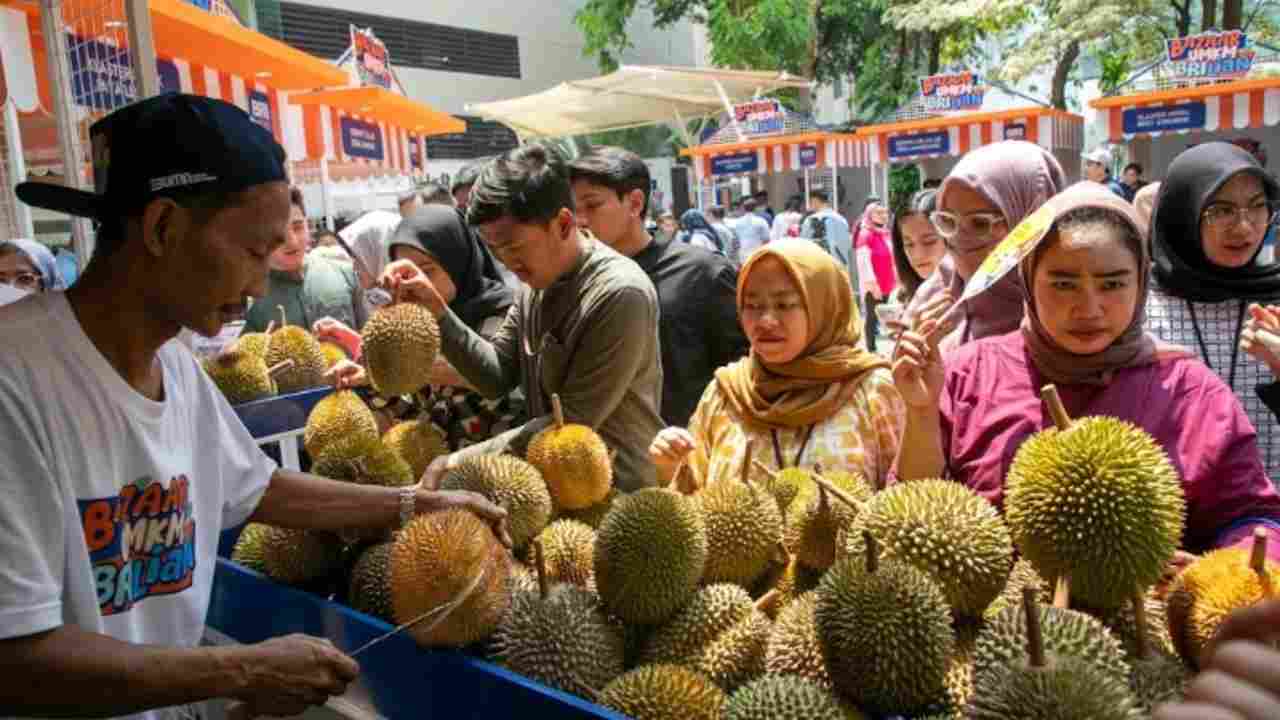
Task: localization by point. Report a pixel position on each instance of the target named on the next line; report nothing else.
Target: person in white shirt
(122, 462)
(751, 229)
(787, 223)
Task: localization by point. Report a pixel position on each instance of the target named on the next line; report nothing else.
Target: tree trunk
(815, 39)
(1184, 17)
(1232, 14)
(1208, 14)
(1062, 71)
(935, 51)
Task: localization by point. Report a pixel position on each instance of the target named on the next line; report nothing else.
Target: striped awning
(956, 135)
(1237, 105)
(778, 154)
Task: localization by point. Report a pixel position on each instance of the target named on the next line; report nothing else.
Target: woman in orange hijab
(807, 393)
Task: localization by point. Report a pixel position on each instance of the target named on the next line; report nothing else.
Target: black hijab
(442, 232)
(1181, 267)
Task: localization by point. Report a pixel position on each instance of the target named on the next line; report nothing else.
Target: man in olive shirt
(697, 289)
(309, 287)
(584, 324)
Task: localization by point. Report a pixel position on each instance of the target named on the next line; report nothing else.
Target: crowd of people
(687, 348)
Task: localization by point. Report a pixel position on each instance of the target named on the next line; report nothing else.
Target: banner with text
(361, 139)
(1210, 55)
(373, 64)
(260, 109)
(808, 156)
(1164, 118)
(743, 162)
(952, 92)
(930, 143)
(760, 117)
(1015, 131)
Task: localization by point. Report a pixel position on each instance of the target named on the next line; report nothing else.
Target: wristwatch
(408, 505)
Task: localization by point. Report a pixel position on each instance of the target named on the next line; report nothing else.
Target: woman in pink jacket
(874, 251)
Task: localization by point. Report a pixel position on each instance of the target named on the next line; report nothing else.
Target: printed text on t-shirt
(141, 542)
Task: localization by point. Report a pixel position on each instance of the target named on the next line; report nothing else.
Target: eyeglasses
(980, 225)
(1225, 215)
(22, 280)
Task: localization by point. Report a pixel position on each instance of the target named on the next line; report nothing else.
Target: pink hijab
(1135, 346)
(1017, 177)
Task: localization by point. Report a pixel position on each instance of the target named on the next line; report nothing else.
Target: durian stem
(1062, 593)
(686, 483)
(1049, 394)
(1140, 621)
(557, 411)
(764, 469)
(271, 327)
(284, 319)
(540, 564)
(873, 552)
(768, 600)
(1258, 560)
(280, 367)
(1035, 641)
(746, 462)
(825, 485)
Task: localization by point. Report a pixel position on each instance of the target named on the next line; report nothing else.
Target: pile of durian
(802, 593)
(279, 361)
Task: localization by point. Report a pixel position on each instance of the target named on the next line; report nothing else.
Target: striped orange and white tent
(783, 153)
(1218, 107)
(955, 135)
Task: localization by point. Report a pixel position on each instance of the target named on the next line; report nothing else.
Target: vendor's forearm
(443, 373)
(68, 672)
(298, 500)
(920, 455)
(475, 358)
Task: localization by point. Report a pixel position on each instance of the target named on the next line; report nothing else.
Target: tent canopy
(385, 106)
(630, 97)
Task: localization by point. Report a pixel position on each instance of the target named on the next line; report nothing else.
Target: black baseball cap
(165, 145)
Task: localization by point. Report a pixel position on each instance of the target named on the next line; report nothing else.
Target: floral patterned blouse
(862, 437)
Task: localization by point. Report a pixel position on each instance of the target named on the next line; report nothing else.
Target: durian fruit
(959, 680)
(815, 520)
(1023, 575)
(400, 343)
(341, 425)
(1218, 583)
(560, 637)
(949, 532)
(333, 354)
(1099, 503)
(1156, 674)
(1066, 633)
(886, 633)
(720, 634)
(649, 555)
(445, 558)
(1123, 624)
(417, 442)
(1034, 682)
(296, 557)
(250, 547)
(255, 343)
(744, 528)
(785, 485)
(569, 549)
(370, 589)
(378, 467)
(783, 698)
(522, 580)
(241, 376)
(664, 692)
(291, 342)
(594, 515)
(785, 581)
(794, 646)
(511, 483)
(573, 460)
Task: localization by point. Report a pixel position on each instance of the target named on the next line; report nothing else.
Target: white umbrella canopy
(632, 96)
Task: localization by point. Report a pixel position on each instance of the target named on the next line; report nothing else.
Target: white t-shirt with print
(111, 503)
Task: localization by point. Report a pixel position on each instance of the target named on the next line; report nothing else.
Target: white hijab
(368, 238)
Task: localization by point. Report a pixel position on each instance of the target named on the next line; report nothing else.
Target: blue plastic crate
(280, 414)
(401, 678)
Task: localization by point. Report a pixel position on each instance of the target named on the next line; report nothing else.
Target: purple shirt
(991, 404)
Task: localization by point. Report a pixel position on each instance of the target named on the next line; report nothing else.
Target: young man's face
(289, 257)
(205, 274)
(532, 251)
(605, 213)
(1131, 177)
(1095, 171)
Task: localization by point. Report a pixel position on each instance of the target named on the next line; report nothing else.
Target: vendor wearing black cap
(121, 462)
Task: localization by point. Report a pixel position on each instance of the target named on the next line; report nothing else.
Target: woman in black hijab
(437, 239)
(1210, 217)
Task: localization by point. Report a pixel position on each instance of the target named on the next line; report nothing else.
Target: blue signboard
(415, 156)
(1165, 118)
(101, 75)
(743, 162)
(808, 155)
(168, 73)
(260, 109)
(931, 143)
(361, 139)
(1015, 131)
